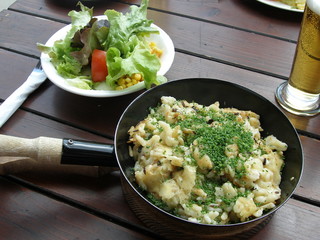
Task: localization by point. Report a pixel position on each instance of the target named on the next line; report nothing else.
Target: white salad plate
(280, 5)
(162, 40)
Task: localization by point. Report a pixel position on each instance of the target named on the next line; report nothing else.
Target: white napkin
(14, 101)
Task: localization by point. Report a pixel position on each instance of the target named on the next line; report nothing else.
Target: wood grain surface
(244, 42)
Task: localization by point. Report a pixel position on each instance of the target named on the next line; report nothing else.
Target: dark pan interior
(207, 91)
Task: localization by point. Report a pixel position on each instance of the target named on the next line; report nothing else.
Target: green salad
(96, 51)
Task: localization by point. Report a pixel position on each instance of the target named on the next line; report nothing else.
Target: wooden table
(244, 42)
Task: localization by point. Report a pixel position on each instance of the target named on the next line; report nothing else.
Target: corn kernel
(159, 52)
(121, 81)
(137, 76)
(128, 81)
(154, 49)
(152, 44)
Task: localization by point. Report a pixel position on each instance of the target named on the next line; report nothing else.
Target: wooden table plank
(12, 77)
(311, 175)
(60, 100)
(27, 45)
(29, 215)
(246, 14)
(51, 101)
(97, 192)
(288, 223)
(28, 125)
(216, 42)
(58, 9)
(103, 194)
(238, 41)
(250, 15)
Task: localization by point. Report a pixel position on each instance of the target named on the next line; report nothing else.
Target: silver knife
(14, 101)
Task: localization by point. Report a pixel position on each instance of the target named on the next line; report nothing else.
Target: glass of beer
(300, 95)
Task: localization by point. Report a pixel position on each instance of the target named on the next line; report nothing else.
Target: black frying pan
(206, 92)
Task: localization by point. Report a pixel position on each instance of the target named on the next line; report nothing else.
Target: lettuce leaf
(122, 36)
(123, 26)
(61, 52)
(139, 61)
(127, 51)
(80, 82)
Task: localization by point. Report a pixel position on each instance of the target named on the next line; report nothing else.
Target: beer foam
(314, 5)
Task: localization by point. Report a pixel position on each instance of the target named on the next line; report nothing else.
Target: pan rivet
(70, 141)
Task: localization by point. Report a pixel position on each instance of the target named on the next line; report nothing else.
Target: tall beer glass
(300, 95)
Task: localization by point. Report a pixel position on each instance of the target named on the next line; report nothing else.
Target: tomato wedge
(99, 70)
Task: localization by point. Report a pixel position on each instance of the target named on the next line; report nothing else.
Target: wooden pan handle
(46, 149)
